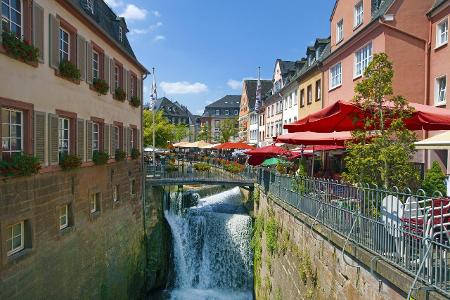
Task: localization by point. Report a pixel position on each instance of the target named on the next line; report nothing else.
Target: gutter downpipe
(144, 175)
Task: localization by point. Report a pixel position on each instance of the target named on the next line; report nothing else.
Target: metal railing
(411, 231)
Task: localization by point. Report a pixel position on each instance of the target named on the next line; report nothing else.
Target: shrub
(20, 165)
(100, 157)
(101, 86)
(135, 153)
(135, 101)
(119, 94)
(233, 167)
(19, 49)
(201, 167)
(120, 155)
(171, 167)
(69, 70)
(434, 180)
(69, 162)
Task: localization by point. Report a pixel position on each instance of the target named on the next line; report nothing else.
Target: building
(225, 108)
(248, 118)
(78, 94)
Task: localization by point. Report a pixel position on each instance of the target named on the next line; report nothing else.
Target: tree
(381, 152)
(228, 129)
(434, 180)
(164, 131)
(180, 132)
(204, 134)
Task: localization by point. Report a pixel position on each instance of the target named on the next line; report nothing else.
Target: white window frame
(94, 207)
(90, 5)
(318, 89)
(95, 65)
(61, 139)
(64, 214)
(9, 21)
(11, 237)
(309, 94)
(120, 33)
(62, 42)
(227, 112)
(10, 125)
(294, 96)
(95, 137)
(339, 31)
(363, 56)
(236, 112)
(358, 14)
(217, 112)
(439, 33)
(115, 193)
(437, 93)
(336, 79)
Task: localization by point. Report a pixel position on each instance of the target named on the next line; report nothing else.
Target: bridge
(184, 174)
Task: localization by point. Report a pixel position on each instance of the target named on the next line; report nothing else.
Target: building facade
(80, 46)
(219, 111)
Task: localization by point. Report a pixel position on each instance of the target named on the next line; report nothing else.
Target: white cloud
(234, 84)
(151, 28)
(159, 38)
(199, 111)
(114, 3)
(183, 87)
(132, 12)
(156, 13)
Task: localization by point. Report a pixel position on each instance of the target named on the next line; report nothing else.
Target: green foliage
(228, 129)
(204, 134)
(233, 167)
(69, 162)
(119, 155)
(271, 230)
(135, 101)
(101, 86)
(434, 180)
(20, 165)
(258, 228)
(180, 132)
(202, 167)
(100, 157)
(18, 48)
(135, 153)
(164, 131)
(298, 184)
(69, 70)
(381, 151)
(281, 168)
(171, 167)
(119, 94)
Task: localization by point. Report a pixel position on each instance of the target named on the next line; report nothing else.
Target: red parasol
(346, 116)
(314, 138)
(269, 150)
(234, 145)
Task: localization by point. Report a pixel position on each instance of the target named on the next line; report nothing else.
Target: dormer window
(120, 34)
(317, 53)
(90, 5)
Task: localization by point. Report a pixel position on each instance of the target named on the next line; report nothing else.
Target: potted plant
(135, 101)
(135, 153)
(119, 94)
(101, 86)
(120, 155)
(69, 71)
(19, 49)
(20, 165)
(69, 162)
(100, 157)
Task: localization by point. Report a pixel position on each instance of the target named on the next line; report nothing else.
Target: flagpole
(155, 97)
(258, 107)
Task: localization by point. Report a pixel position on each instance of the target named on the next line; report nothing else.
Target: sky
(203, 49)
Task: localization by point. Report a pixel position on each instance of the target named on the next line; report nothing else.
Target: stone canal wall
(101, 255)
(294, 261)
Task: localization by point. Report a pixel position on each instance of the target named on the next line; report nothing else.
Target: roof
(379, 8)
(172, 108)
(436, 5)
(250, 89)
(106, 20)
(228, 101)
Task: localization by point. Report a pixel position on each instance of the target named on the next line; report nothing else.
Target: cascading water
(212, 257)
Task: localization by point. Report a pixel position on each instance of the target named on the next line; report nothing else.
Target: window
(120, 33)
(318, 90)
(294, 96)
(442, 33)
(133, 187)
(227, 112)
(362, 59)
(95, 137)
(441, 91)
(12, 16)
(335, 76)
(90, 5)
(302, 97)
(217, 112)
(268, 112)
(339, 31)
(63, 136)
(236, 112)
(15, 241)
(117, 137)
(95, 65)
(133, 85)
(217, 124)
(64, 45)
(95, 202)
(358, 14)
(309, 94)
(12, 132)
(295, 119)
(115, 193)
(116, 76)
(63, 217)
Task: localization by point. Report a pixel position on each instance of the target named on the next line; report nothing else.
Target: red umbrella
(269, 150)
(323, 148)
(314, 138)
(346, 116)
(234, 145)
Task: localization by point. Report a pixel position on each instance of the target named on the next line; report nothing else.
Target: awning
(314, 138)
(269, 150)
(198, 144)
(437, 142)
(346, 116)
(234, 145)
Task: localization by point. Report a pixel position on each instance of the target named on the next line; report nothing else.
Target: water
(212, 258)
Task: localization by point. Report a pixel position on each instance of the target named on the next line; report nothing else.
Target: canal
(211, 257)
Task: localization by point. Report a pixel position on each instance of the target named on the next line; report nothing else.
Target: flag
(154, 95)
(258, 103)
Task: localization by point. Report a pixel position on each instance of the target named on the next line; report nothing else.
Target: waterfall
(211, 248)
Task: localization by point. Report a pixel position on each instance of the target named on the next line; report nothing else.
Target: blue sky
(202, 49)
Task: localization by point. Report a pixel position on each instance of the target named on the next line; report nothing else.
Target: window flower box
(135, 101)
(69, 162)
(100, 86)
(119, 94)
(20, 165)
(100, 158)
(19, 49)
(69, 71)
(120, 155)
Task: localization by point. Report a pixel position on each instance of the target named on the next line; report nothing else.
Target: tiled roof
(250, 86)
(436, 5)
(229, 101)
